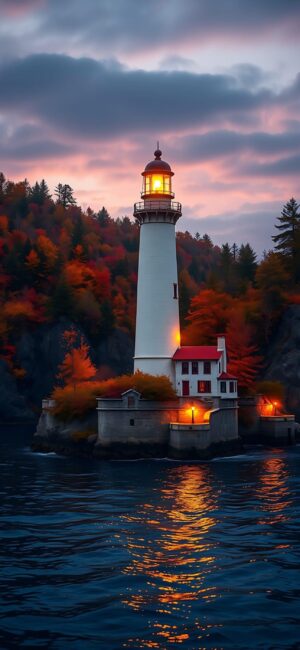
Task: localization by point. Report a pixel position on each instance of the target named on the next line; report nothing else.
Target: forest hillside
(63, 268)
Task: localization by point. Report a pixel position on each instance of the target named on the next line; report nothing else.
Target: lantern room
(157, 179)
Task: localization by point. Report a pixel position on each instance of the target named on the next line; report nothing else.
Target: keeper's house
(201, 371)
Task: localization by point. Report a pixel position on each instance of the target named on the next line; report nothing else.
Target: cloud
(218, 144)
(89, 98)
(289, 166)
(132, 25)
(30, 142)
(254, 225)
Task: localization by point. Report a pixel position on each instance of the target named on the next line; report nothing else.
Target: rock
(13, 406)
(117, 352)
(283, 358)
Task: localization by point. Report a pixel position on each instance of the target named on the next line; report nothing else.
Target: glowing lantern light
(157, 183)
(193, 414)
(157, 179)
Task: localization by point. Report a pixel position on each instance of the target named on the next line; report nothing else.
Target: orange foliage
(209, 315)
(48, 249)
(76, 366)
(70, 404)
(18, 309)
(243, 360)
(79, 275)
(32, 260)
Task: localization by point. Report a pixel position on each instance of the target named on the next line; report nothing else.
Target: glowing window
(204, 386)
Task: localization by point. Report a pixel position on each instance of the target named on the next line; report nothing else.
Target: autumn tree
(243, 358)
(208, 316)
(77, 365)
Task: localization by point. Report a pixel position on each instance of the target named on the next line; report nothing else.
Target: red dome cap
(158, 165)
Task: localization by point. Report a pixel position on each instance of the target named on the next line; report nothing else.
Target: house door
(185, 388)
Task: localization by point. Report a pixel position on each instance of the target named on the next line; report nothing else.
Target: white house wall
(193, 379)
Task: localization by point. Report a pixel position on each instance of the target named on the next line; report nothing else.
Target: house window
(232, 386)
(204, 386)
(206, 368)
(194, 367)
(131, 402)
(131, 422)
(223, 388)
(185, 368)
(175, 291)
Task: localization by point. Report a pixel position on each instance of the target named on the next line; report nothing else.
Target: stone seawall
(139, 429)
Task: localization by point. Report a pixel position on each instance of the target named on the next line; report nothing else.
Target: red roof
(225, 375)
(197, 353)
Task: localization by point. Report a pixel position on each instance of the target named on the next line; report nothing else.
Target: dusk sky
(89, 86)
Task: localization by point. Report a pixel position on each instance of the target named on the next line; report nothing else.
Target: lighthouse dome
(158, 165)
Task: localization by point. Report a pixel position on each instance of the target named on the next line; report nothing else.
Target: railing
(168, 195)
(144, 206)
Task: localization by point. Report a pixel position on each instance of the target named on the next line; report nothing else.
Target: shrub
(71, 404)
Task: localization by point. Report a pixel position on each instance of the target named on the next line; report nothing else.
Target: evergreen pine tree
(64, 195)
(287, 242)
(246, 262)
(103, 217)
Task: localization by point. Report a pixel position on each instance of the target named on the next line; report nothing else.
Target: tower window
(231, 387)
(175, 291)
(131, 422)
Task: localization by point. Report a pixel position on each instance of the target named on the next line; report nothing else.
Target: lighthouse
(157, 319)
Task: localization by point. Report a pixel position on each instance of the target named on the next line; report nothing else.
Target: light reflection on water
(273, 491)
(175, 554)
(150, 555)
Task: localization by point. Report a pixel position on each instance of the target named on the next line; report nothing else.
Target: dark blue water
(149, 554)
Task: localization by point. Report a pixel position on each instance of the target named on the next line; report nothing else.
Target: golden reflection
(273, 491)
(174, 561)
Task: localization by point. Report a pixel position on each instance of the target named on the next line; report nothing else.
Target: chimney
(221, 347)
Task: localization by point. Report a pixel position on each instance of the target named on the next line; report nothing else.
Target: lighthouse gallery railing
(143, 206)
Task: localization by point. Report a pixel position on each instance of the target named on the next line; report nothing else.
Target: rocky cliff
(283, 358)
(39, 352)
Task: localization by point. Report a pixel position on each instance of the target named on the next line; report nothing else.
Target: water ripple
(150, 554)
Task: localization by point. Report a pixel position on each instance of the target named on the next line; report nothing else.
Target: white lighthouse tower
(157, 320)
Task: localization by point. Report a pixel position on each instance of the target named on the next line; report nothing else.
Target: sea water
(149, 554)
